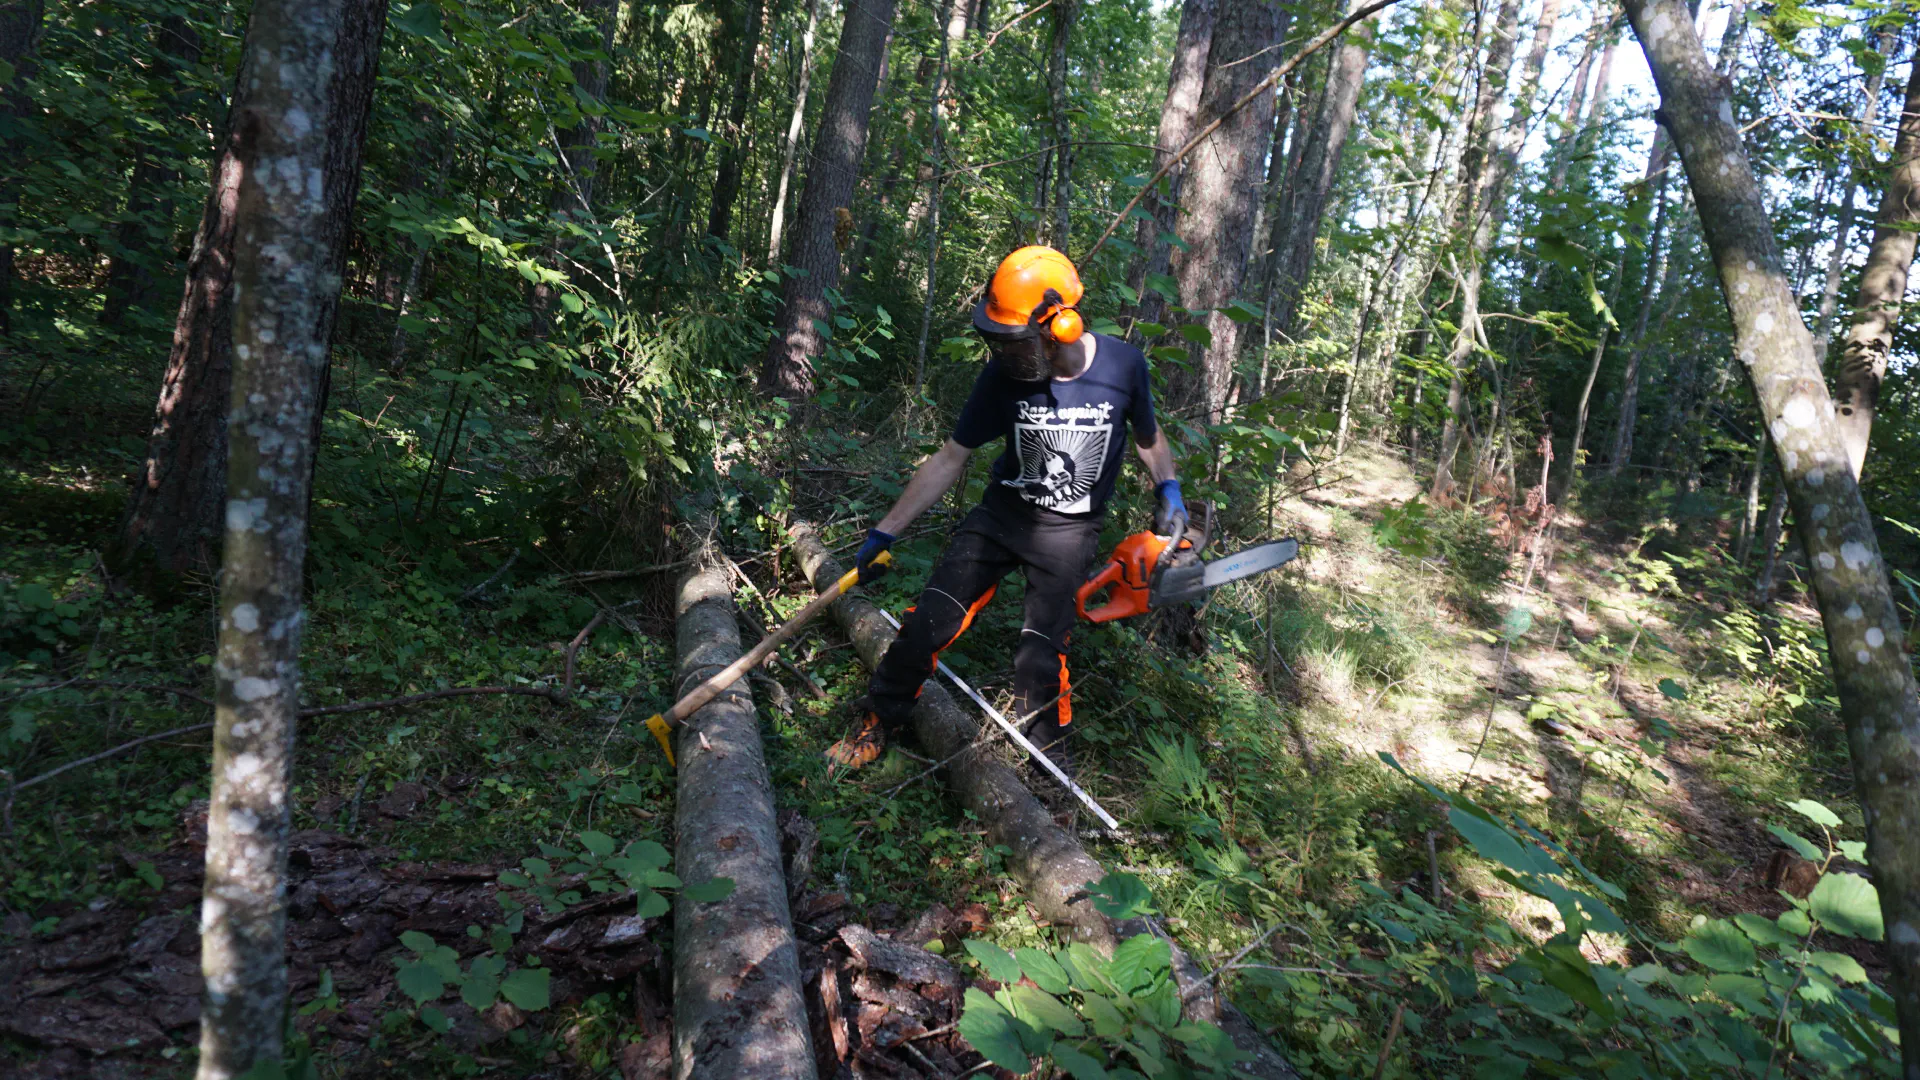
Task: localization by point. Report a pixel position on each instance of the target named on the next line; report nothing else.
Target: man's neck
(1072, 361)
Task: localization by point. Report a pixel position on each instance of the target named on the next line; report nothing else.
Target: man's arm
(931, 481)
(1157, 456)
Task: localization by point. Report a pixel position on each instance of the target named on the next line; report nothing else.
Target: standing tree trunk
(176, 514)
(1222, 189)
(1883, 284)
(1178, 113)
(726, 185)
(285, 287)
(19, 34)
(144, 238)
(572, 197)
(1866, 654)
(1064, 12)
(1657, 281)
(794, 124)
(834, 166)
(1478, 169)
(1296, 231)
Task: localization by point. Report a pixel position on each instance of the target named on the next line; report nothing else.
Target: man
(1063, 400)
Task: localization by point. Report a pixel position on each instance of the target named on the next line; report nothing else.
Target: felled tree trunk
(738, 1011)
(1865, 641)
(285, 286)
(834, 165)
(1048, 862)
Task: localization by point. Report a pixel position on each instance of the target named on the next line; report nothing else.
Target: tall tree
(1296, 227)
(726, 185)
(1866, 656)
(572, 195)
(1179, 110)
(833, 167)
(1883, 285)
(176, 514)
(795, 121)
(1222, 189)
(1063, 13)
(285, 284)
(1479, 167)
(19, 34)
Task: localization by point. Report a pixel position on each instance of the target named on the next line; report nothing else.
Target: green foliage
(1091, 1017)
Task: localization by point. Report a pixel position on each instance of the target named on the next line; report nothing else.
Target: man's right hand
(877, 542)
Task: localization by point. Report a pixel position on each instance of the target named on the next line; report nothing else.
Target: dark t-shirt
(1066, 438)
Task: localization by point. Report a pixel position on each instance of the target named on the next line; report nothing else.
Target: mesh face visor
(1022, 353)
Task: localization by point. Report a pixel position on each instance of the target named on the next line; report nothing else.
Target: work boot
(864, 743)
(1051, 740)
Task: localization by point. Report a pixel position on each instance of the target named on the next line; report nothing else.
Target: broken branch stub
(1046, 860)
(738, 1011)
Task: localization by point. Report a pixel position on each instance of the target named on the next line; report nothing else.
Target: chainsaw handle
(1129, 573)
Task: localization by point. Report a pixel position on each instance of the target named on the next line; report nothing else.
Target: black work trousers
(1000, 534)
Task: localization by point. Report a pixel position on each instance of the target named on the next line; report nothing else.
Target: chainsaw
(1148, 571)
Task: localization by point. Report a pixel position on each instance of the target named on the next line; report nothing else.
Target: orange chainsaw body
(1128, 574)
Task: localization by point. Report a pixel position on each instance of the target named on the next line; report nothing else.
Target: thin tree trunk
(176, 513)
(1883, 285)
(1179, 111)
(834, 165)
(144, 239)
(794, 124)
(1221, 189)
(285, 285)
(726, 185)
(1063, 14)
(738, 1011)
(1750, 517)
(1770, 549)
(1657, 280)
(1866, 655)
(954, 16)
(1837, 257)
(1297, 230)
(19, 37)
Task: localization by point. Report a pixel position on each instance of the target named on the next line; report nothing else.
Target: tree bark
(285, 288)
(1883, 285)
(175, 516)
(795, 122)
(738, 1010)
(1478, 167)
(726, 185)
(1179, 111)
(19, 37)
(1657, 280)
(143, 239)
(1222, 190)
(1062, 14)
(833, 167)
(1865, 640)
(1297, 229)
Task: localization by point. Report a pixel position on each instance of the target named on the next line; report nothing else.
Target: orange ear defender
(1067, 326)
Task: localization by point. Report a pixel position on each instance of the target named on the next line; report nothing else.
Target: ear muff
(1067, 326)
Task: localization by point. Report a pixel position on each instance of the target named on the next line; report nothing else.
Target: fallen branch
(1264, 85)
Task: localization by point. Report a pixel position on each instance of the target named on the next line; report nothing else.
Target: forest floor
(1625, 714)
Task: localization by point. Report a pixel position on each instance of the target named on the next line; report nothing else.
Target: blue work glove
(877, 542)
(1170, 516)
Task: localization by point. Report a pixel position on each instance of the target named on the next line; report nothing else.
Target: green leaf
(572, 303)
(1847, 904)
(1673, 690)
(35, 595)
(652, 905)
(1720, 945)
(599, 844)
(1078, 1065)
(150, 875)
(1815, 812)
(1045, 1012)
(1042, 969)
(1498, 845)
(1743, 990)
(1795, 922)
(435, 1019)
(1149, 329)
(1108, 1022)
(481, 988)
(706, 892)
(989, 1029)
(1839, 965)
(420, 20)
(421, 981)
(1197, 333)
(650, 854)
(1800, 844)
(527, 988)
(1241, 312)
(1765, 931)
(1138, 960)
(1854, 851)
(999, 964)
(420, 943)
(1121, 896)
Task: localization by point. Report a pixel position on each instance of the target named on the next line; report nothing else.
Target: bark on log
(1046, 860)
(738, 1010)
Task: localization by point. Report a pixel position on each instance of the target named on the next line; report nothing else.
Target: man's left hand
(1170, 515)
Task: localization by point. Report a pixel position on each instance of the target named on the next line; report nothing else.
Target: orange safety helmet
(1035, 287)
